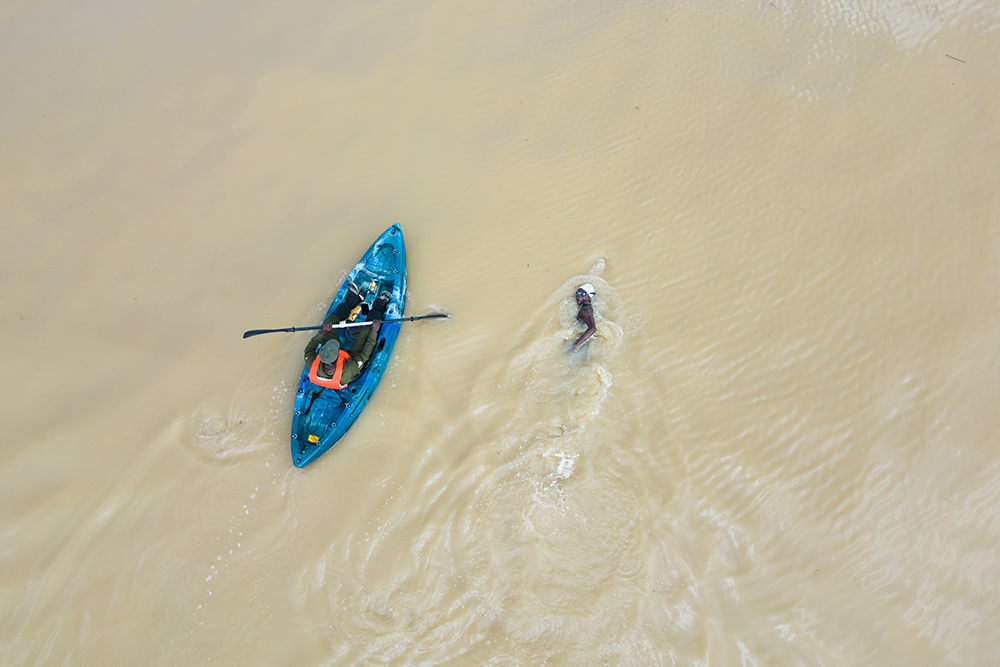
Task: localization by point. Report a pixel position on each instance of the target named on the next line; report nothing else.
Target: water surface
(779, 449)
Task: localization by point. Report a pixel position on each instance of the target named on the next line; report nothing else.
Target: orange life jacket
(334, 382)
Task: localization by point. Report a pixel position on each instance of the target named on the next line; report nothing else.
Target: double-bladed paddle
(342, 325)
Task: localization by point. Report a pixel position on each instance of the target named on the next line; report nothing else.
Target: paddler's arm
(329, 322)
(360, 352)
(311, 346)
(371, 337)
(364, 344)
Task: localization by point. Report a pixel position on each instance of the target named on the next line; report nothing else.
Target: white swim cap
(586, 287)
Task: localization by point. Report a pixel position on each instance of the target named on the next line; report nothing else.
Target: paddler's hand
(326, 328)
(376, 325)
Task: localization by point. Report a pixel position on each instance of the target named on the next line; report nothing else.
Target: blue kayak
(323, 415)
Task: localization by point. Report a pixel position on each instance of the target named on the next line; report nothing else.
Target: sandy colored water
(780, 448)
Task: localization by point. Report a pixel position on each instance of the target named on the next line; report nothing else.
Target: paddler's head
(329, 352)
(584, 293)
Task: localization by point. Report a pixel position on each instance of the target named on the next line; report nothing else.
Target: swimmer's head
(587, 289)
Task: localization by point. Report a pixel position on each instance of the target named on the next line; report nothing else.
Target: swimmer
(584, 296)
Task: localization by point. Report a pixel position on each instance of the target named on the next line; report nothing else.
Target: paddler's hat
(587, 289)
(330, 351)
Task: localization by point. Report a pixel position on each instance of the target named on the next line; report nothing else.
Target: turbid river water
(781, 447)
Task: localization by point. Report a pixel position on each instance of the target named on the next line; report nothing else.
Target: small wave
(221, 432)
(373, 462)
(255, 419)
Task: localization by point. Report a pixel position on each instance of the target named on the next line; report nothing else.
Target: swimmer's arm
(588, 319)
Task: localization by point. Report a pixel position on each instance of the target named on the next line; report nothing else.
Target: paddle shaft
(342, 325)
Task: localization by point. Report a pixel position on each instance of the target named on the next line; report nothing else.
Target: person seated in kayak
(332, 366)
(584, 299)
(348, 309)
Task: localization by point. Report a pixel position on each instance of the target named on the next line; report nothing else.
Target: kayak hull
(322, 415)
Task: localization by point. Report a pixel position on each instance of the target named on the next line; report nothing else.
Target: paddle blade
(257, 332)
